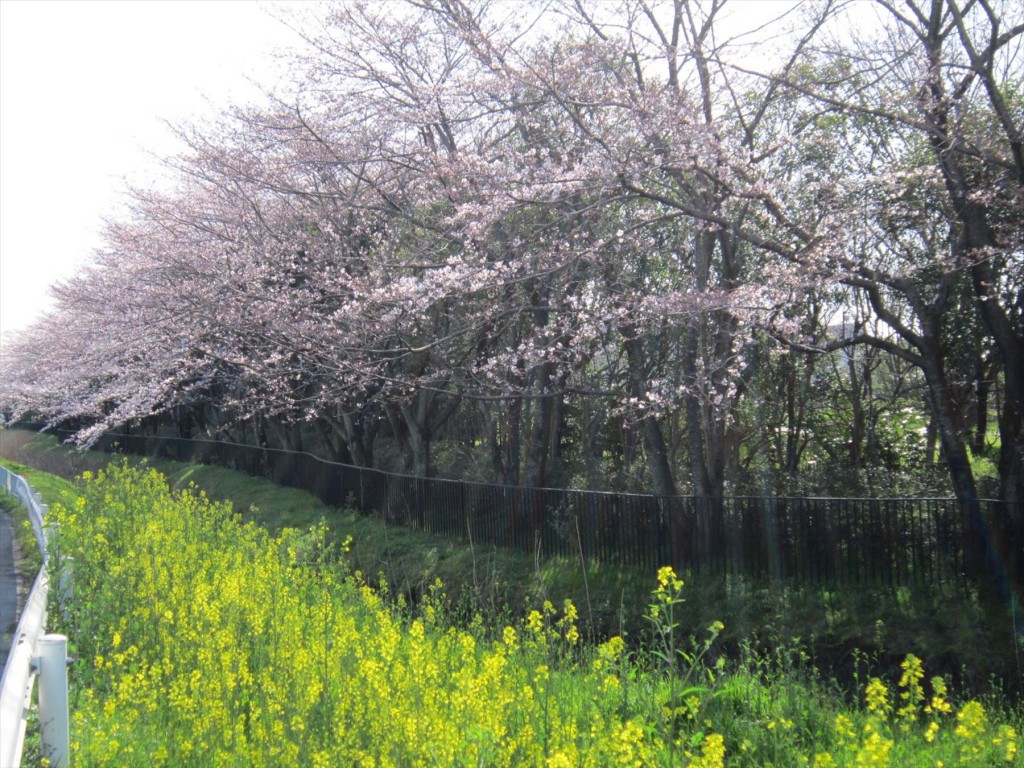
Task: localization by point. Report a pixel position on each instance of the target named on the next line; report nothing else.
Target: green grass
(840, 633)
(31, 557)
(51, 488)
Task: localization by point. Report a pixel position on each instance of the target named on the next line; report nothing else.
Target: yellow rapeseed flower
(712, 752)
(667, 579)
(938, 703)
(874, 751)
(844, 728)
(912, 694)
(508, 636)
(878, 701)
(972, 720)
(535, 622)
(1006, 737)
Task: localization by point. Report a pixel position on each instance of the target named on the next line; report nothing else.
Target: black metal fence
(790, 540)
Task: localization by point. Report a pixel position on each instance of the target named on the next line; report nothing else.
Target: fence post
(53, 699)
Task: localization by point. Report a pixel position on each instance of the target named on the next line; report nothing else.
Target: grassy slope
(842, 631)
(51, 488)
(409, 561)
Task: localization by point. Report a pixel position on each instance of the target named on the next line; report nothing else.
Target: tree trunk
(359, 437)
(416, 415)
(513, 443)
(982, 386)
(336, 445)
(537, 448)
(490, 432)
(1011, 453)
(944, 412)
(653, 438)
(978, 550)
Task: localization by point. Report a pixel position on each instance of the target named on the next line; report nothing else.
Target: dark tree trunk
(490, 430)
(336, 445)
(538, 446)
(1011, 451)
(513, 443)
(423, 416)
(655, 446)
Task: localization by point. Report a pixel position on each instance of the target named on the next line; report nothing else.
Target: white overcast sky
(85, 87)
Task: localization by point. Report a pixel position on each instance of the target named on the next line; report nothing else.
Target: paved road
(8, 587)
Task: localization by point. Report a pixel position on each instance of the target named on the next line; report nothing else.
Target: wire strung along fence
(890, 542)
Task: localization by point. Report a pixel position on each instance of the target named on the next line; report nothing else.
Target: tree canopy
(631, 245)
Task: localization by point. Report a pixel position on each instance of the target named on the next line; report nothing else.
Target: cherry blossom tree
(566, 230)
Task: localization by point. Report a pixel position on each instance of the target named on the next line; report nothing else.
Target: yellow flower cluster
(888, 738)
(205, 642)
(212, 644)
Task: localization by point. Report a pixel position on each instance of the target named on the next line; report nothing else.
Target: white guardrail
(34, 653)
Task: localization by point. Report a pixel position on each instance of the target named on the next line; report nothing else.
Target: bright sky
(85, 86)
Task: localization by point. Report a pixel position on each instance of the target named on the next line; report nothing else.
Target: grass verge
(51, 488)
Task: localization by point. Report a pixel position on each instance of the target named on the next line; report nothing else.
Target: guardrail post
(53, 699)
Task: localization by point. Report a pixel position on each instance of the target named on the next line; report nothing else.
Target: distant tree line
(637, 245)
